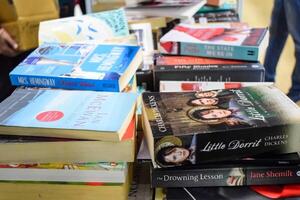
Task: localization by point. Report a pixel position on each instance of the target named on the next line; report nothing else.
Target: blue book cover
(67, 113)
(78, 66)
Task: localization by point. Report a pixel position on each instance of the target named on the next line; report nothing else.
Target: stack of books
(70, 129)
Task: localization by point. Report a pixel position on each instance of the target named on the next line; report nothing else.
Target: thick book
(189, 128)
(100, 172)
(282, 192)
(219, 174)
(187, 68)
(67, 114)
(78, 66)
(175, 9)
(189, 86)
(229, 41)
(33, 149)
(94, 27)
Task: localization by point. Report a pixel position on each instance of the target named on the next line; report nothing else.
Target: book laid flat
(100, 172)
(276, 171)
(78, 66)
(94, 27)
(187, 68)
(32, 149)
(11, 190)
(176, 9)
(189, 86)
(189, 128)
(282, 192)
(67, 114)
(229, 41)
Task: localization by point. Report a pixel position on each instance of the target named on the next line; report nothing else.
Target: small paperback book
(79, 66)
(193, 127)
(67, 114)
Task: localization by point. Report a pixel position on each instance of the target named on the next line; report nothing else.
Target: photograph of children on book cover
(185, 117)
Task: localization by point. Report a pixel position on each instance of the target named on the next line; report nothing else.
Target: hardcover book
(94, 27)
(186, 68)
(67, 114)
(33, 149)
(229, 41)
(100, 172)
(189, 86)
(195, 127)
(78, 66)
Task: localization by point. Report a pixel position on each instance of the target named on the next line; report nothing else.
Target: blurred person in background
(284, 21)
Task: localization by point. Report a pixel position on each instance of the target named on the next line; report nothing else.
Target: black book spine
(231, 176)
(248, 72)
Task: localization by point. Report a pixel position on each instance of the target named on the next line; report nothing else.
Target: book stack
(238, 133)
(70, 129)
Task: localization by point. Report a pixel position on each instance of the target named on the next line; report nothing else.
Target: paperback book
(78, 66)
(189, 86)
(175, 9)
(67, 114)
(94, 27)
(100, 172)
(215, 125)
(33, 149)
(213, 17)
(283, 192)
(229, 41)
(186, 68)
(225, 175)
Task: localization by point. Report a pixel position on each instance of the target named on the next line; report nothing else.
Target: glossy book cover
(228, 40)
(67, 113)
(77, 66)
(87, 28)
(220, 124)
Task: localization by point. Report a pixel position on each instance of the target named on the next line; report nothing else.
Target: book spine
(247, 53)
(239, 176)
(64, 83)
(221, 73)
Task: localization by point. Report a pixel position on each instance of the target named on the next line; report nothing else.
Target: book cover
(186, 68)
(102, 172)
(189, 86)
(219, 125)
(282, 192)
(78, 66)
(67, 114)
(87, 28)
(229, 41)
